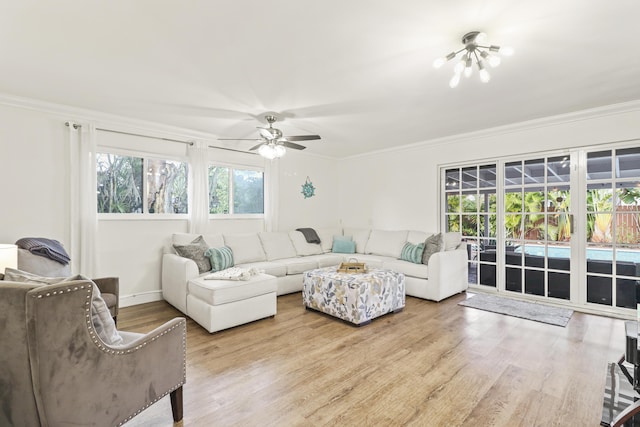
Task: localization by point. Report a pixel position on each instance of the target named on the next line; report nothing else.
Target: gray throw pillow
(432, 245)
(101, 318)
(195, 251)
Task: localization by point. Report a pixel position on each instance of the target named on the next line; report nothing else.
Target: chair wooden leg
(176, 404)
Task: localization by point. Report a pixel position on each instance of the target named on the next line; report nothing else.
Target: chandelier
(272, 150)
(474, 48)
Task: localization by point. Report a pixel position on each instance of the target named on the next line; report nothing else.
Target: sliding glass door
(537, 226)
(563, 226)
(612, 227)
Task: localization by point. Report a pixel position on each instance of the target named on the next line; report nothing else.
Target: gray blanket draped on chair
(48, 248)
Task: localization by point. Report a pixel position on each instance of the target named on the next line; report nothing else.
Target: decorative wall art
(308, 190)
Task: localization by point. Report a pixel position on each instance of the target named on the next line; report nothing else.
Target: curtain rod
(76, 126)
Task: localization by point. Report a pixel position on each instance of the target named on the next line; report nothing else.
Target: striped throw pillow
(221, 258)
(412, 253)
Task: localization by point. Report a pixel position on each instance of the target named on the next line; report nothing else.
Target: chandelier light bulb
(484, 74)
(441, 61)
(468, 69)
(459, 66)
(455, 80)
(506, 50)
(493, 60)
(481, 38)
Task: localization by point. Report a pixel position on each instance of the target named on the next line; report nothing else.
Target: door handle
(571, 224)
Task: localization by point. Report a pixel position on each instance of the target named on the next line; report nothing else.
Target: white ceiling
(357, 72)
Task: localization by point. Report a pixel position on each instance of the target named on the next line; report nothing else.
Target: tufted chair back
(55, 370)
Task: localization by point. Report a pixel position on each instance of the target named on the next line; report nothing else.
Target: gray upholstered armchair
(56, 371)
(42, 266)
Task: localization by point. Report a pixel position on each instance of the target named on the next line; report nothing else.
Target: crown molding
(560, 119)
(101, 119)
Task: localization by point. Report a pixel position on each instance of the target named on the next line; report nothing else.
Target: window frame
(231, 167)
(144, 215)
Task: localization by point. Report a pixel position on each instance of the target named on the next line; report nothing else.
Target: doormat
(523, 309)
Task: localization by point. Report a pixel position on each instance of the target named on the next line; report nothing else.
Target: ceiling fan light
(267, 152)
(279, 151)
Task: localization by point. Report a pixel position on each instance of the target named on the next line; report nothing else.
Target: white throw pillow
(277, 245)
(452, 240)
(246, 247)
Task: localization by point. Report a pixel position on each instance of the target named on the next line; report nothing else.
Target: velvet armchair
(56, 371)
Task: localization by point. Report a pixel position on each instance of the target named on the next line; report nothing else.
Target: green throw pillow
(432, 245)
(221, 258)
(344, 246)
(412, 253)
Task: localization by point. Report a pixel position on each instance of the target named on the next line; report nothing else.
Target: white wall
(34, 176)
(400, 189)
(35, 193)
(321, 210)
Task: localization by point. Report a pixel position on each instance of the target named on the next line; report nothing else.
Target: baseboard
(141, 298)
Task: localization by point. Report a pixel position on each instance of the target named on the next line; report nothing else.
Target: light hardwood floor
(433, 364)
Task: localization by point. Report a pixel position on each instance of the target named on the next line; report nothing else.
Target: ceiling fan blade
(265, 133)
(255, 147)
(292, 145)
(301, 138)
(238, 139)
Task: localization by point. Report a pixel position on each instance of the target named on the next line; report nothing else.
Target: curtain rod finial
(75, 125)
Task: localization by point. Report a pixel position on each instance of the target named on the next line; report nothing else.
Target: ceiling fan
(273, 142)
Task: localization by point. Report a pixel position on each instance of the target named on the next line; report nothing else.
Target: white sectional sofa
(287, 255)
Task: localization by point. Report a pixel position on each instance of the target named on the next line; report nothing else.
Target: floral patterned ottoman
(356, 298)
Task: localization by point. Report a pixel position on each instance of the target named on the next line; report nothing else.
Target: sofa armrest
(448, 272)
(176, 272)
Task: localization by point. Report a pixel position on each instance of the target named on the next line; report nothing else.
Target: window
(124, 188)
(235, 191)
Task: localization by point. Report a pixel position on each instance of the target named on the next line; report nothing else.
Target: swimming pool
(600, 254)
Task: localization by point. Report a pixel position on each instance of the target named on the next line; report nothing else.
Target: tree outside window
(121, 185)
(235, 191)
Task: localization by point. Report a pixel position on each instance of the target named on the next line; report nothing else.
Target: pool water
(592, 253)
